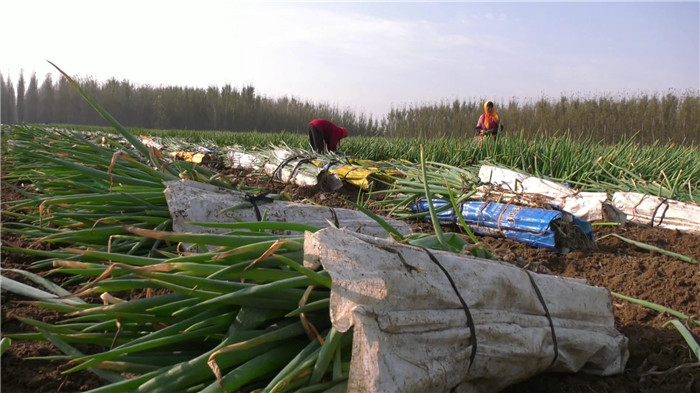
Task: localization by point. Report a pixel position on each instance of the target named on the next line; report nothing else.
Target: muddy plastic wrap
(660, 212)
(242, 160)
(552, 229)
(308, 169)
(299, 169)
(523, 189)
(432, 321)
(191, 201)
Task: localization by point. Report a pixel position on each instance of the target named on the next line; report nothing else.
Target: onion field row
(661, 169)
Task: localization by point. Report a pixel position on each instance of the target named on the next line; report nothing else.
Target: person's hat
(345, 132)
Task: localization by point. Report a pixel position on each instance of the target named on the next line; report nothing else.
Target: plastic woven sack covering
(432, 321)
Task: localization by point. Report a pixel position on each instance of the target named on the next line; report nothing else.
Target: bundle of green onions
(245, 315)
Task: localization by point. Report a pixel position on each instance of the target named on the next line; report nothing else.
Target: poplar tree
(64, 110)
(46, 100)
(8, 107)
(12, 103)
(4, 102)
(31, 101)
(20, 97)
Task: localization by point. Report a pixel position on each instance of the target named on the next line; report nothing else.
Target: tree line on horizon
(673, 117)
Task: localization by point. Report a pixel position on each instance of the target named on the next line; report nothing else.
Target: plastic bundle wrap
(191, 201)
(530, 190)
(242, 160)
(432, 321)
(299, 169)
(309, 170)
(659, 212)
(556, 230)
(360, 176)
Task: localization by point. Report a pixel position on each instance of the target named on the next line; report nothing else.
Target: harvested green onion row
(222, 318)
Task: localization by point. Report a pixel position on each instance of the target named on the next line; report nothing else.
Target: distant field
(664, 116)
(664, 169)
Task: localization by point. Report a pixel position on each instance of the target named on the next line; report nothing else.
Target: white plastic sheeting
(191, 201)
(585, 205)
(658, 212)
(412, 333)
(241, 160)
(592, 206)
(284, 166)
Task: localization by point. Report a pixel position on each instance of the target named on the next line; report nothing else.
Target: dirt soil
(660, 360)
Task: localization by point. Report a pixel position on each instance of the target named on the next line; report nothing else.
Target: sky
(368, 57)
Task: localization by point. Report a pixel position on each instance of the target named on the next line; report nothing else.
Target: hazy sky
(364, 56)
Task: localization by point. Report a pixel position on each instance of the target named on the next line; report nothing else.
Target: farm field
(660, 359)
(664, 169)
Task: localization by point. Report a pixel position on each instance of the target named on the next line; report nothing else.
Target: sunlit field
(663, 169)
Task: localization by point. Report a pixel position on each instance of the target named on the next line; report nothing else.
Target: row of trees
(167, 107)
(672, 116)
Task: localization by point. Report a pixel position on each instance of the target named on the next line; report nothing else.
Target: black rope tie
(335, 218)
(276, 173)
(663, 214)
(254, 199)
(297, 166)
(470, 320)
(327, 166)
(549, 317)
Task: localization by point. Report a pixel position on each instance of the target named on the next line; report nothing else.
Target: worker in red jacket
(325, 135)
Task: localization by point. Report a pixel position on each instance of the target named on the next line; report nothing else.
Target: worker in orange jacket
(489, 122)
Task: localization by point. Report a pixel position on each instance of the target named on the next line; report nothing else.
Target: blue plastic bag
(530, 225)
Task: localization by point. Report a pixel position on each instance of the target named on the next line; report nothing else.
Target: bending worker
(488, 121)
(325, 135)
